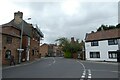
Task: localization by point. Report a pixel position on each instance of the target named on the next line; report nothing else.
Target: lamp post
(20, 49)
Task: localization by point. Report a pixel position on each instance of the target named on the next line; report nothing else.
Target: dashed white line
(84, 75)
(84, 72)
(89, 73)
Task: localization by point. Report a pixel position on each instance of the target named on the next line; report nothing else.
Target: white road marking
(85, 72)
(82, 65)
(52, 62)
(89, 76)
(89, 73)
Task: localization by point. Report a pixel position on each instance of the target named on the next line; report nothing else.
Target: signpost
(19, 57)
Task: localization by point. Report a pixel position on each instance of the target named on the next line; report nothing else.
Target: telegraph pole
(20, 49)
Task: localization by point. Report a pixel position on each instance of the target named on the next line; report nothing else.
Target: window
(94, 43)
(33, 52)
(112, 54)
(9, 39)
(7, 54)
(94, 54)
(112, 42)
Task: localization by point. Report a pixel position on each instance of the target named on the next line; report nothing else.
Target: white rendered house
(102, 45)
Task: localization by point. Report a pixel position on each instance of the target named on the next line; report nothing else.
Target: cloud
(56, 23)
(59, 19)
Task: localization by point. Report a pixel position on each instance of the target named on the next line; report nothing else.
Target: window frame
(7, 55)
(112, 42)
(110, 54)
(8, 39)
(94, 54)
(94, 43)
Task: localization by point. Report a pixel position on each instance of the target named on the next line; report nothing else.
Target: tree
(118, 26)
(68, 47)
(62, 41)
(65, 44)
(102, 27)
(106, 27)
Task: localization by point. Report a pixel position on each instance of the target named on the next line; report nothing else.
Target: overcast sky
(65, 18)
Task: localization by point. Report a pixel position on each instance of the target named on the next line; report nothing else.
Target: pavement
(104, 62)
(21, 64)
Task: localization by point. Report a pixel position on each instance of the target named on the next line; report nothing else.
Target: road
(58, 67)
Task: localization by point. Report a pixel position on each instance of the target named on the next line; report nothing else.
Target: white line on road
(82, 65)
(85, 72)
(52, 62)
(89, 74)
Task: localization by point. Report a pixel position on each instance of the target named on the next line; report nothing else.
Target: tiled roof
(103, 35)
(26, 28)
(39, 32)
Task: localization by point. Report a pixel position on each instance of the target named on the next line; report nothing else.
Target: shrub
(67, 55)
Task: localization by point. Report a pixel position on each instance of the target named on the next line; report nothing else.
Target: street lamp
(20, 50)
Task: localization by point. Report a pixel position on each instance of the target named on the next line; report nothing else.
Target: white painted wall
(103, 48)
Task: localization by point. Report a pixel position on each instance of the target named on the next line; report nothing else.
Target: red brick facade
(11, 33)
(44, 50)
(13, 46)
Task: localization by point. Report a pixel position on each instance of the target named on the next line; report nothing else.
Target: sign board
(20, 49)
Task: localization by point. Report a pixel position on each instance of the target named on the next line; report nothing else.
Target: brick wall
(34, 47)
(13, 46)
(43, 50)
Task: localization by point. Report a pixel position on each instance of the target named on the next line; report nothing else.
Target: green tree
(68, 47)
(118, 26)
(106, 27)
(65, 44)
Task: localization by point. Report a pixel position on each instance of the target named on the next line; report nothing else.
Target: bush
(67, 55)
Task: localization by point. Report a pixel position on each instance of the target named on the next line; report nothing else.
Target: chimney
(72, 39)
(18, 16)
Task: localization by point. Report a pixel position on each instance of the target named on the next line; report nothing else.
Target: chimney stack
(18, 16)
(72, 39)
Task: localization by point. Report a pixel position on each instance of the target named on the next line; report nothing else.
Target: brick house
(102, 45)
(44, 49)
(30, 38)
(35, 43)
(10, 43)
(50, 50)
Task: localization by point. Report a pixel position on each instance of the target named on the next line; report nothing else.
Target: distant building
(11, 33)
(51, 50)
(43, 50)
(102, 45)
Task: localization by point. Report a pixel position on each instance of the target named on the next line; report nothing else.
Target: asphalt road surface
(61, 68)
